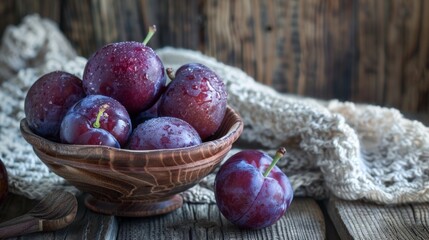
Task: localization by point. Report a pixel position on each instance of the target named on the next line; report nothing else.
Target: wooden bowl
(134, 183)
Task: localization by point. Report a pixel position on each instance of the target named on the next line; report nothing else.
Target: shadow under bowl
(135, 183)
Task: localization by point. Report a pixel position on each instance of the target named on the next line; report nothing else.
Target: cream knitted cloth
(351, 151)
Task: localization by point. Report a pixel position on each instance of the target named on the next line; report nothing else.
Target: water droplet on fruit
(194, 87)
(206, 110)
(165, 140)
(218, 95)
(203, 98)
(144, 77)
(132, 68)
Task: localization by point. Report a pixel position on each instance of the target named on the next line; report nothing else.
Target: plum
(163, 133)
(48, 100)
(129, 72)
(198, 96)
(250, 191)
(96, 120)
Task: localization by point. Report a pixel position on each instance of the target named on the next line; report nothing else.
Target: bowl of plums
(131, 134)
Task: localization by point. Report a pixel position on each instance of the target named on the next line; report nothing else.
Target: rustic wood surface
(304, 220)
(359, 220)
(86, 225)
(55, 211)
(361, 50)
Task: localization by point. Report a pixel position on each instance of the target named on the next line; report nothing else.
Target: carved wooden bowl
(134, 183)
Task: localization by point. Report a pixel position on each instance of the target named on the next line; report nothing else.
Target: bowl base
(134, 208)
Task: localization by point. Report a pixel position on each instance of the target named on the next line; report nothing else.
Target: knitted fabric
(341, 148)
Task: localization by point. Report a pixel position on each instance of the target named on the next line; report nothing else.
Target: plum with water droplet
(130, 72)
(163, 133)
(96, 120)
(48, 100)
(198, 96)
(251, 191)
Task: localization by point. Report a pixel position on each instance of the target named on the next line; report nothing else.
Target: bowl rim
(214, 146)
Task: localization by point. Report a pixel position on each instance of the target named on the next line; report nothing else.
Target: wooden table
(306, 219)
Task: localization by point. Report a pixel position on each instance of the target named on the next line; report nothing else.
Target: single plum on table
(129, 72)
(96, 120)
(251, 192)
(198, 96)
(163, 133)
(48, 100)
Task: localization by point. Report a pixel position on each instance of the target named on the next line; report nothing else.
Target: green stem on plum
(170, 73)
(152, 30)
(279, 154)
(101, 111)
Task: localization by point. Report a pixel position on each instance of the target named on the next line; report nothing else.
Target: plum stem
(279, 154)
(101, 111)
(170, 73)
(152, 30)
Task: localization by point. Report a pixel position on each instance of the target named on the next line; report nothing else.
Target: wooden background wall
(372, 51)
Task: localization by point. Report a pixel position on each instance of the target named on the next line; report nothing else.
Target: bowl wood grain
(135, 183)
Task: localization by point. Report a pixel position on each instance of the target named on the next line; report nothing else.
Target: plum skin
(163, 133)
(77, 129)
(198, 96)
(245, 197)
(81, 117)
(129, 72)
(48, 100)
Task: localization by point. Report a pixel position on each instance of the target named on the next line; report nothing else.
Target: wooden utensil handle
(19, 226)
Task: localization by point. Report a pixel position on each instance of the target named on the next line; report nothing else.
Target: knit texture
(351, 151)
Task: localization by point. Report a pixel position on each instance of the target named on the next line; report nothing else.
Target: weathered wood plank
(304, 220)
(78, 25)
(179, 23)
(394, 50)
(45, 8)
(359, 220)
(416, 67)
(371, 34)
(311, 24)
(364, 51)
(339, 49)
(12, 11)
(87, 224)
